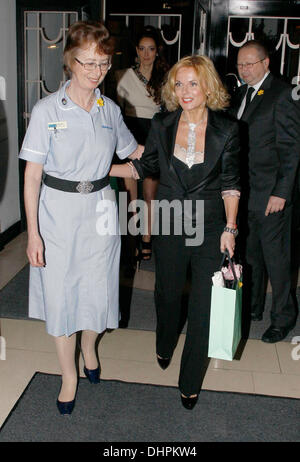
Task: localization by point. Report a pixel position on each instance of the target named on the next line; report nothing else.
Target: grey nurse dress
(79, 286)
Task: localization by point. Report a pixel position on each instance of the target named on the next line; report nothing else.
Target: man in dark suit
(270, 127)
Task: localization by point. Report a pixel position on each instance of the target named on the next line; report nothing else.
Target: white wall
(9, 176)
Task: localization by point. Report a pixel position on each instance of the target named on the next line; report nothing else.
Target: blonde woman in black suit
(195, 149)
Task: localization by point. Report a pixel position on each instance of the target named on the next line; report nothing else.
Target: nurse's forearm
(124, 171)
(32, 184)
(35, 246)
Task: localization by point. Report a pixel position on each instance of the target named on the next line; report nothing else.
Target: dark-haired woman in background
(139, 95)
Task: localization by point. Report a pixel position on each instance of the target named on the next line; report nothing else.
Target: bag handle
(226, 255)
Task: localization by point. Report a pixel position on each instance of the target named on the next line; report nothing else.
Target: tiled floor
(129, 354)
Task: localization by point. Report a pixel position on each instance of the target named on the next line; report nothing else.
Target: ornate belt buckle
(85, 187)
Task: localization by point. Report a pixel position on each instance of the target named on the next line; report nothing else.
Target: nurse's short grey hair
(82, 34)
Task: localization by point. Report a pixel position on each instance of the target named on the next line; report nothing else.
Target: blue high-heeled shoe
(65, 408)
(92, 374)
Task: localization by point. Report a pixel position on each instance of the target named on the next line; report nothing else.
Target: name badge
(57, 125)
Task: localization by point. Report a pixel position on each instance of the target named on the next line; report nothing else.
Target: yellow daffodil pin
(100, 102)
(260, 92)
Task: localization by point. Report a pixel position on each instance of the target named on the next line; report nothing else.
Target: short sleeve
(36, 142)
(126, 142)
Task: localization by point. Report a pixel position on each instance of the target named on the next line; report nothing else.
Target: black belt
(83, 187)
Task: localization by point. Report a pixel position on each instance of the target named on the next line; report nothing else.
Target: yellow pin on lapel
(260, 92)
(100, 102)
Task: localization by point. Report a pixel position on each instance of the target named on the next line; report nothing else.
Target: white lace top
(182, 154)
(198, 158)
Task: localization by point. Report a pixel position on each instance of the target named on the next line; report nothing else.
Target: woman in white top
(139, 95)
(74, 272)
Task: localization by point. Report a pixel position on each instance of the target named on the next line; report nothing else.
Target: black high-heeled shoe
(137, 259)
(142, 256)
(92, 374)
(189, 402)
(146, 256)
(163, 362)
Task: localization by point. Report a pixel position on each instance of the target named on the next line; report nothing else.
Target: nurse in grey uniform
(73, 232)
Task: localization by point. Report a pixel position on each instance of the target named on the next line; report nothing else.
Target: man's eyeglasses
(92, 66)
(248, 65)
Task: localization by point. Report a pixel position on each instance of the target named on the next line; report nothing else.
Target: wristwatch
(233, 231)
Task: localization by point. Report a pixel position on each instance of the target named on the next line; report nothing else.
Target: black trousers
(268, 248)
(172, 258)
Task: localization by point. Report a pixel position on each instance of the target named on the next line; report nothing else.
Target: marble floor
(128, 355)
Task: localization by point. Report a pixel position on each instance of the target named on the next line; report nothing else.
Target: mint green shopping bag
(225, 321)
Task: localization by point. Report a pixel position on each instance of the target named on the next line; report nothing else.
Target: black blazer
(221, 161)
(270, 135)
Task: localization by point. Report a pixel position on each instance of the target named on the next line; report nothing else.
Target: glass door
(44, 40)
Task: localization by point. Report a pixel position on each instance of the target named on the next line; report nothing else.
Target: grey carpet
(136, 305)
(126, 412)
(14, 296)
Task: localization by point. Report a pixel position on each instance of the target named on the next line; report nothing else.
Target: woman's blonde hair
(217, 95)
